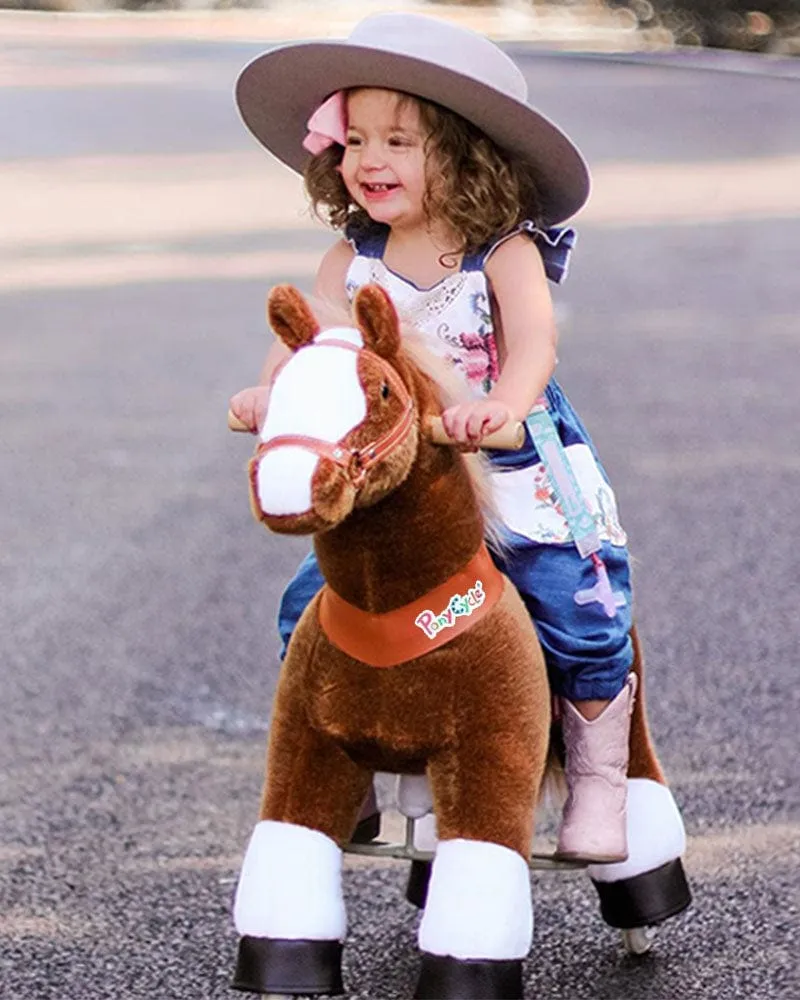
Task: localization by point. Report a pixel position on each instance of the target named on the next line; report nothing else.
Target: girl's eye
(385, 390)
(397, 141)
(353, 140)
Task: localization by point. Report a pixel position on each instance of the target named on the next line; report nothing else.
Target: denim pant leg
(588, 654)
(296, 598)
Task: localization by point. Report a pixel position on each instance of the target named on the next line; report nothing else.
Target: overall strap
(367, 239)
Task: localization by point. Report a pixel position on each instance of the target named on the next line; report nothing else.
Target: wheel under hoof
(445, 978)
(638, 940)
(289, 968)
(419, 877)
(644, 900)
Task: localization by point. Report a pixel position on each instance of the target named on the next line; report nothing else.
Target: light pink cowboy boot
(593, 825)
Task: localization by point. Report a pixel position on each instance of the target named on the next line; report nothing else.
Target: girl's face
(383, 166)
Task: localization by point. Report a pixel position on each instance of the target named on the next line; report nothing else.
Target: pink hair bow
(327, 125)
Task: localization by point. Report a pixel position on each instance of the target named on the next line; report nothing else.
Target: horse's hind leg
(650, 886)
(289, 905)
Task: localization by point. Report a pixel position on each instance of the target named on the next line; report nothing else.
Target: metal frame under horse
(417, 657)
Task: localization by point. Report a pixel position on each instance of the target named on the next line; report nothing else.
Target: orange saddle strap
(394, 637)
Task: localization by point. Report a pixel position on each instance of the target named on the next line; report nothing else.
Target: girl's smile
(378, 192)
(383, 166)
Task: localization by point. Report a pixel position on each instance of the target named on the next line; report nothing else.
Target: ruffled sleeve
(554, 244)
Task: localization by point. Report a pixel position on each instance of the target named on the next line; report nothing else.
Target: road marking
(126, 269)
(17, 925)
(71, 222)
(717, 850)
(33, 77)
(642, 194)
(153, 198)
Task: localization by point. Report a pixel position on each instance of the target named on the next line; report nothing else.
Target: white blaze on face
(316, 394)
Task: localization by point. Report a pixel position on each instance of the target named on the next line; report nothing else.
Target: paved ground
(140, 230)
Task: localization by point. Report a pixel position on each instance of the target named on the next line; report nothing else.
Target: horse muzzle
(303, 485)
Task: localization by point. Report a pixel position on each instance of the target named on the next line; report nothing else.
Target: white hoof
(638, 940)
(479, 903)
(290, 885)
(655, 832)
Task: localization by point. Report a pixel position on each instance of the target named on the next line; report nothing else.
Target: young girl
(422, 151)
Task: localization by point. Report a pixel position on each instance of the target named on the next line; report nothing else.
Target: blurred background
(750, 25)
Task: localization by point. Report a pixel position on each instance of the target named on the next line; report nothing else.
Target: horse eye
(385, 390)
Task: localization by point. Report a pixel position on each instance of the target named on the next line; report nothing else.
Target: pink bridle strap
(355, 462)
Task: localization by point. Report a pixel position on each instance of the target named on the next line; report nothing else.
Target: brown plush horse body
(417, 657)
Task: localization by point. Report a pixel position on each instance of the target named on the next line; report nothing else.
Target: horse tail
(553, 789)
(643, 762)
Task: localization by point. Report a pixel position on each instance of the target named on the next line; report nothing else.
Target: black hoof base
(419, 877)
(646, 899)
(367, 829)
(294, 968)
(444, 978)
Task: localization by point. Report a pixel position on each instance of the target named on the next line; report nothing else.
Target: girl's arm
(250, 405)
(526, 339)
(528, 330)
(331, 274)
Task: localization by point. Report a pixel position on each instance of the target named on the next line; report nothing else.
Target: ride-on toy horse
(417, 657)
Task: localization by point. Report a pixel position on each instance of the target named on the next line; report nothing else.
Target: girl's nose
(372, 157)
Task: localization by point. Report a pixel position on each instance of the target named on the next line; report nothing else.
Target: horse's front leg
(478, 921)
(289, 907)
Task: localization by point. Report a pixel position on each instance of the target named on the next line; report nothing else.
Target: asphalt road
(137, 649)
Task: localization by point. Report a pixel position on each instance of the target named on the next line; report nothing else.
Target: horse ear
(290, 316)
(377, 320)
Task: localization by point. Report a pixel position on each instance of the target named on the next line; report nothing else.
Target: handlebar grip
(510, 437)
(235, 424)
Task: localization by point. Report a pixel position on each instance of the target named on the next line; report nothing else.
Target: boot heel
(419, 877)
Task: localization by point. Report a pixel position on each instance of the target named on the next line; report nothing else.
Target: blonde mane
(451, 392)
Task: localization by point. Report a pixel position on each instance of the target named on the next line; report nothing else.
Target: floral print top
(455, 318)
(454, 315)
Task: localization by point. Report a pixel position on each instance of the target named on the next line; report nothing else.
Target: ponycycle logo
(459, 606)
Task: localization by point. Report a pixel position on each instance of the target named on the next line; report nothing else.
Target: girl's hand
(250, 406)
(469, 423)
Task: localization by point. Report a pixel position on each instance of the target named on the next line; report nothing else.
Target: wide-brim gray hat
(279, 91)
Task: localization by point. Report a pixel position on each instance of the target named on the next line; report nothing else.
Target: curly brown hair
(477, 189)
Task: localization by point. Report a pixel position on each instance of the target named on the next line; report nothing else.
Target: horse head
(342, 424)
